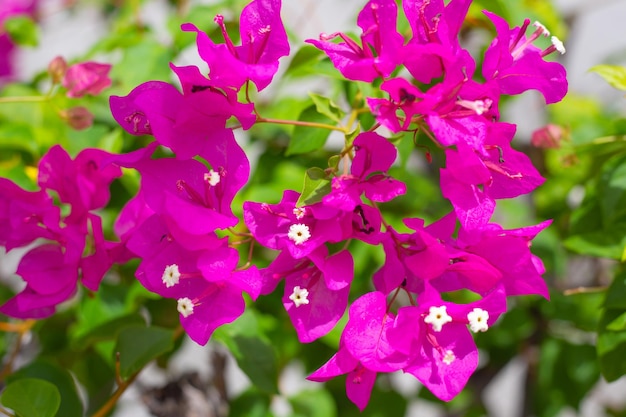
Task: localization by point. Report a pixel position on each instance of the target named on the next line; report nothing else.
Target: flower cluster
(180, 224)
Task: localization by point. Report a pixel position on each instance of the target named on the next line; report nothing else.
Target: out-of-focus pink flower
(78, 118)
(549, 136)
(57, 69)
(86, 78)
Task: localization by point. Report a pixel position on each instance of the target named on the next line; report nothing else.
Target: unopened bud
(78, 118)
(549, 136)
(57, 68)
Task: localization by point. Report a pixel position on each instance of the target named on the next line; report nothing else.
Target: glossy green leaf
(313, 403)
(327, 107)
(615, 75)
(309, 138)
(611, 347)
(22, 29)
(257, 360)
(71, 405)
(250, 403)
(316, 186)
(30, 397)
(303, 59)
(138, 345)
(107, 331)
(618, 324)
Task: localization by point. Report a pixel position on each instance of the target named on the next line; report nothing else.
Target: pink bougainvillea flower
(475, 176)
(517, 65)
(82, 182)
(435, 337)
(8, 9)
(197, 199)
(368, 174)
(359, 380)
(189, 123)
(204, 283)
(316, 289)
(410, 259)
(53, 269)
(380, 51)
(86, 78)
(300, 230)
(263, 42)
(435, 46)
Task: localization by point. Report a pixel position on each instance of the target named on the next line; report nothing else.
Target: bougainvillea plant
(194, 235)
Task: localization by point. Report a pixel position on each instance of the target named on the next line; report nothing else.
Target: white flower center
(299, 296)
(171, 275)
(478, 320)
(299, 212)
(299, 233)
(185, 306)
(449, 357)
(212, 177)
(437, 317)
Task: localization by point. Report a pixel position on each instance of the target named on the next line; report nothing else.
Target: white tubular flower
(185, 306)
(299, 296)
(449, 357)
(171, 275)
(478, 320)
(299, 233)
(299, 212)
(437, 317)
(212, 177)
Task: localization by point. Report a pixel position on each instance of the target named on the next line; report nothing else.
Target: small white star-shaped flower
(478, 320)
(437, 317)
(212, 177)
(171, 275)
(449, 357)
(299, 296)
(299, 233)
(299, 212)
(185, 306)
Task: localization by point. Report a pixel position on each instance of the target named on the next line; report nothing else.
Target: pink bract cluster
(177, 223)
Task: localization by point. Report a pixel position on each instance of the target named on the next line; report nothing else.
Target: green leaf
(31, 397)
(71, 405)
(257, 360)
(327, 107)
(304, 58)
(618, 323)
(611, 347)
(250, 403)
(306, 138)
(106, 331)
(616, 294)
(314, 403)
(23, 30)
(316, 186)
(613, 74)
(138, 345)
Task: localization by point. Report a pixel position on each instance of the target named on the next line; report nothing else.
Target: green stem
(28, 99)
(300, 123)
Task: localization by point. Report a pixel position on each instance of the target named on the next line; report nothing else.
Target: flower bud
(78, 118)
(57, 68)
(86, 78)
(549, 136)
